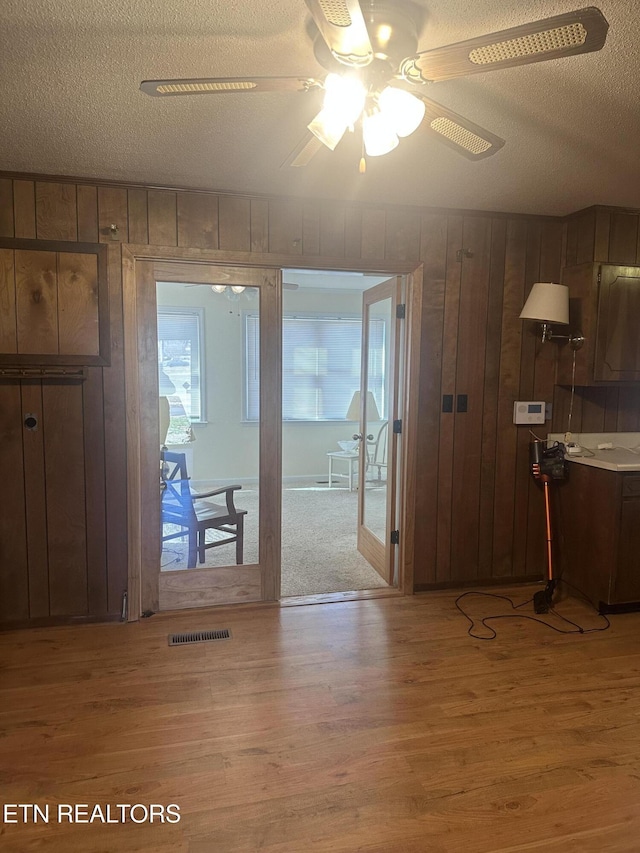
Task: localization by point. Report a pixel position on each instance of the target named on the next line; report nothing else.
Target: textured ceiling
(71, 105)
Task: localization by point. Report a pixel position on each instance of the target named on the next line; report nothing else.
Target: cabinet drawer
(630, 487)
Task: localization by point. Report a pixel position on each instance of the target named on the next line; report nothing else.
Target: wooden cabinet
(54, 303)
(598, 537)
(604, 304)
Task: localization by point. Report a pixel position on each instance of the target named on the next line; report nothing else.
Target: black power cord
(577, 629)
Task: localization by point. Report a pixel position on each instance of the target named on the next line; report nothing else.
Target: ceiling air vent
(199, 637)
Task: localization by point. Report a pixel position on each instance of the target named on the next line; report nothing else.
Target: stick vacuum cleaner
(547, 464)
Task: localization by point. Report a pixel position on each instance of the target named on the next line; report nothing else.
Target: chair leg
(240, 540)
(193, 549)
(201, 543)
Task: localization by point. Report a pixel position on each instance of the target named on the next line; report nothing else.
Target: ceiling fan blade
(459, 133)
(581, 31)
(225, 85)
(304, 152)
(342, 26)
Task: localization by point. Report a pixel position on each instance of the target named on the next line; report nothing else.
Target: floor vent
(199, 637)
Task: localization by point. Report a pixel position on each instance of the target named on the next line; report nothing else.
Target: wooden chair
(377, 452)
(193, 513)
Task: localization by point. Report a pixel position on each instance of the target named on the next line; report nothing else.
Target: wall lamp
(549, 303)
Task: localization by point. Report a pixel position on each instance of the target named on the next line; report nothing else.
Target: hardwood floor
(375, 726)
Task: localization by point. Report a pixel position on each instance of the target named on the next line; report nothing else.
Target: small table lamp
(353, 412)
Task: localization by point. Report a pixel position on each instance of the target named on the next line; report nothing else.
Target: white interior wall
(226, 448)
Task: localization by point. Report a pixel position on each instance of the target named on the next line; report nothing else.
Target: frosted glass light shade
(218, 288)
(378, 134)
(548, 303)
(237, 288)
(403, 110)
(328, 128)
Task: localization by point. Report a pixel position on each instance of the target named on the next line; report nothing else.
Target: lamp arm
(576, 339)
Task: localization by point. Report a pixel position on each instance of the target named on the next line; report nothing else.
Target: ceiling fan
(376, 80)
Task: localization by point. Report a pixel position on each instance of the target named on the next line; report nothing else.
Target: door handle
(358, 436)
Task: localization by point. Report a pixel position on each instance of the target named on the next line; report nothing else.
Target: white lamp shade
(353, 413)
(548, 303)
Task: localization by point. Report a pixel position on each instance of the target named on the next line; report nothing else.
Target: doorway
(334, 523)
(141, 271)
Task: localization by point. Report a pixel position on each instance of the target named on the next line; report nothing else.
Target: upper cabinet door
(604, 304)
(54, 306)
(617, 355)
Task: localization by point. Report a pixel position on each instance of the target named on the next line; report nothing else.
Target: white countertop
(624, 455)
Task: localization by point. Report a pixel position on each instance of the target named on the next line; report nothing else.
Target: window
(181, 368)
(320, 365)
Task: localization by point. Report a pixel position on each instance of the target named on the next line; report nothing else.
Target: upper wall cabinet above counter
(604, 304)
(54, 303)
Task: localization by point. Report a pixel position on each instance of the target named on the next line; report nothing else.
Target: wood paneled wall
(479, 514)
(601, 235)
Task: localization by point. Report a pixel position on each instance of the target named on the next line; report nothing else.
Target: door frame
(140, 444)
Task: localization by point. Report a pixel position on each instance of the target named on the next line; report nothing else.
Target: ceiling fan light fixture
(218, 288)
(237, 288)
(344, 97)
(402, 109)
(378, 134)
(328, 128)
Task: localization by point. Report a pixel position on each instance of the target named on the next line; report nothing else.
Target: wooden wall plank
(571, 242)
(433, 251)
(113, 210)
(64, 454)
(95, 463)
(138, 218)
(36, 302)
(467, 456)
(234, 224)
(197, 220)
(8, 316)
(14, 586)
(593, 409)
(115, 442)
(585, 248)
(490, 444)
(353, 232)
(36, 502)
(534, 360)
(87, 214)
(402, 235)
(78, 330)
(603, 228)
(259, 225)
(374, 229)
(6, 207)
(311, 227)
(24, 209)
(623, 239)
(285, 227)
(628, 408)
(163, 218)
(332, 231)
(513, 300)
(56, 211)
(448, 386)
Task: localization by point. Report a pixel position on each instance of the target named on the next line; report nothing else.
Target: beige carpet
(319, 551)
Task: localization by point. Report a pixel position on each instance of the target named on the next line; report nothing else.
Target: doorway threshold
(334, 597)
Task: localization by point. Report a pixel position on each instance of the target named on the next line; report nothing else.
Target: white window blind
(320, 366)
(179, 356)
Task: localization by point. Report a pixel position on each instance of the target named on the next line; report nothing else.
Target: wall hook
(113, 231)
(463, 253)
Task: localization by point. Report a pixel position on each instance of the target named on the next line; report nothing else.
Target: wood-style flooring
(376, 726)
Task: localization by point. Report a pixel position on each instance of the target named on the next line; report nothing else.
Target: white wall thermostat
(528, 412)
